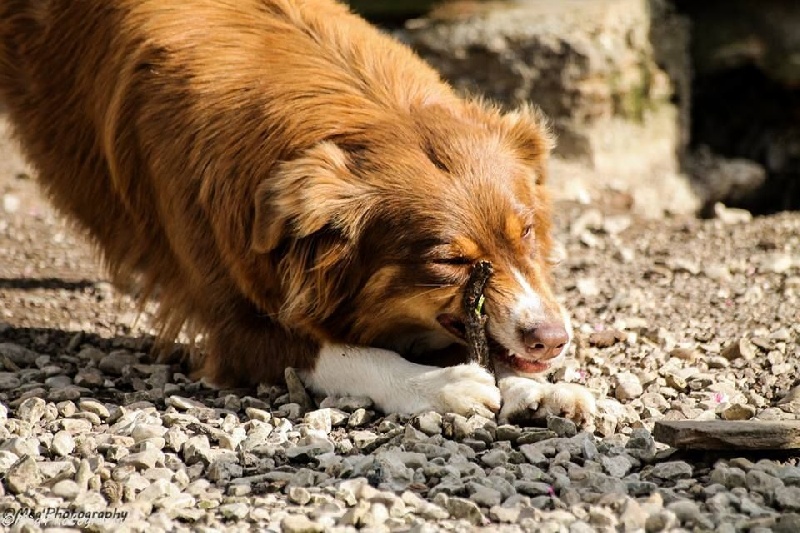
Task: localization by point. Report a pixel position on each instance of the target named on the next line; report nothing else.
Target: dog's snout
(545, 341)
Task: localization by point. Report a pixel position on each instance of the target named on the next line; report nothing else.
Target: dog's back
(62, 76)
(151, 124)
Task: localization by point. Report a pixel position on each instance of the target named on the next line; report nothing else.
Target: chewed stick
(475, 321)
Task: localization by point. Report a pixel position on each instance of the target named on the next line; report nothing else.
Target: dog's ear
(529, 132)
(308, 194)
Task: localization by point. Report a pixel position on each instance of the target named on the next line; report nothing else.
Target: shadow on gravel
(27, 284)
(90, 361)
(56, 342)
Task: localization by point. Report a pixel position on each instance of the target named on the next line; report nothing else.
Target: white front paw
(523, 397)
(464, 389)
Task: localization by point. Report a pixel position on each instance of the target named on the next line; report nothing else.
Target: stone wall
(611, 75)
(641, 93)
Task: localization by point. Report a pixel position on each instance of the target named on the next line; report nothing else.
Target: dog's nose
(545, 341)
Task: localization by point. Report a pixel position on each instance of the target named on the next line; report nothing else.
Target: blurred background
(660, 106)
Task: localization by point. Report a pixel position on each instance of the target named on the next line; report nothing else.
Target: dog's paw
(464, 389)
(527, 398)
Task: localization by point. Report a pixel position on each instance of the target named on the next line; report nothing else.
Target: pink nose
(545, 341)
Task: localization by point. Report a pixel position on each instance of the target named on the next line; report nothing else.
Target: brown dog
(299, 187)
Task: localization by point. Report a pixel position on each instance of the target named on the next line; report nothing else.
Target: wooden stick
(475, 316)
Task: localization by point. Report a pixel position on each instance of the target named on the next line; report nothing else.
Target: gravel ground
(675, 319)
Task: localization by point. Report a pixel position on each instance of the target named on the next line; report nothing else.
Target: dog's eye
(453, 261)
(527, 231)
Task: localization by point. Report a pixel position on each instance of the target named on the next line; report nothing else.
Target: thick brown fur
(282, 172)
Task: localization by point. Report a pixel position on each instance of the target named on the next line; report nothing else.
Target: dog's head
(375, 235)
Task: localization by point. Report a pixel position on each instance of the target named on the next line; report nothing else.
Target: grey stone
(350, 404)
(603, 518)
(788, 498)
(174, 438)
(223, 469)
(617, 465)
(115, 362)
(376, 516)
(508, 432)
(95, 407)
(17, 354)
(495, 457)
(562, 427)
(144, 459)
(231, 439)
(76, 426)
(183, 404)
(789, 475)
(9, 381)
(742, 348)
(300, 524)
(23, 475)
(68, 393)
(155, 490)
(533, 488)
(234, 511)
(319, 419)
(672, 470)
(358, 418)
(7, 460)
(363, 438)
(640, 488)
(738, 411)
(484, 496)
(722, 179)
(580, 526)
(89, 377)
(626, 386)
(356, 515)
(532, 436)
(147, 431)
(597, 483)
(509, 515)
(730, 477)
(67, 489)
(310, 447)
(290, 410)
(533, 454)
(641, 439)
(58, 382)
(688, 513)
(787, 523)
(299, 495)
(63, 444)
(429, 423)
(261, 415)
(461, 508)
(197, 449)
(297, 391)
(21, 446)
(762, 482)
(633, 516)
(31, 410)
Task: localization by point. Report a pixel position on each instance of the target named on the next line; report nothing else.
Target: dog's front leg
(534, 397)
(396, 385)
